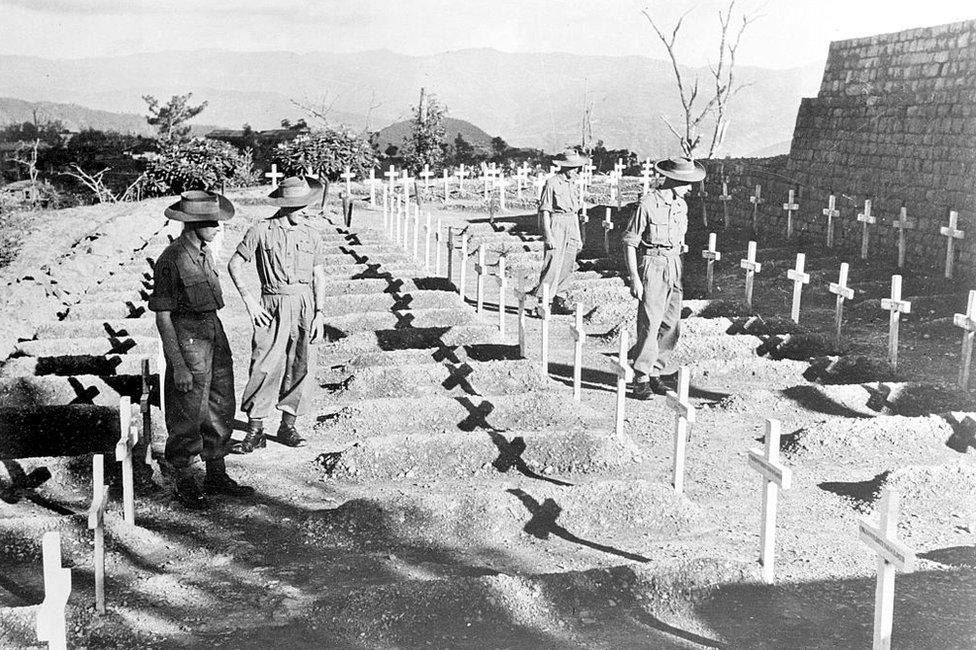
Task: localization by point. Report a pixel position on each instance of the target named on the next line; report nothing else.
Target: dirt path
(454, 495)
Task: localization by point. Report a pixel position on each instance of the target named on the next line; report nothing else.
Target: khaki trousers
(658, 314)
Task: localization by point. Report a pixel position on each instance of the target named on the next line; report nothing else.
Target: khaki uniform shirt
(285, 253)
(660, 221)
(185, 279)
(558, 196)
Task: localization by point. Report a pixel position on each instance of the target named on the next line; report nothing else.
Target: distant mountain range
(529, 100)
(396, 132)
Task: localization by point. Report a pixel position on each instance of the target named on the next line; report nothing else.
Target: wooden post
(416, 231)
(50, 624)
(799, 279)
(774, 476)
(830, 212)
(462, 281)
(684, 415)
(396, 219)
(427, 244)
(372, 187)
(866, 219)
(129, 436)
(702, 195)
(790, 206)
(520, 294)
(447, 191)
(625, 374)
(578, 334)
(426, 174)
(501, 184)
(755, 200)
(480, 270)
(952, 233)
(439, 241)
(461, 174)
(386, 212)
(897, 307)
(892, 556)
(725, 197)
(843, 292)
(161, 378)
(607, 227)
(545, 313)
(711, 256)
(751, 267)
(450, 253)
(967, 322)
(583, 220)
(902, 223)
(274, 175)
(502, 290)
(96, 523)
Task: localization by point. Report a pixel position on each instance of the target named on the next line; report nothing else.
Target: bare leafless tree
(697, 110)
(93, 182)
(26, 156)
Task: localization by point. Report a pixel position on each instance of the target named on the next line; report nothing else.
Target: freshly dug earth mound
(370, 321)
(480, 454)
(100, 327)
(413, 338)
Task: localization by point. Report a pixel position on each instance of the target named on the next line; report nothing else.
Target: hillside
(396, 132)
(529, 100)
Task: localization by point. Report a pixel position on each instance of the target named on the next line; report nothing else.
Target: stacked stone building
(894, 122)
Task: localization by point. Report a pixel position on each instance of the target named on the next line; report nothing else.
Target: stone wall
(894, 122)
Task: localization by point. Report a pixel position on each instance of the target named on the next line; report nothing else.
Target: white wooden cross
(774, 475)
(866, 219)
(702, 194)
(578, 333)
(486, 178)
(427, 235)
(790, 206)
(96, 523)
(129, 437)
(426, 174)
(347, 176)
(711, 255)
(967, 322)
(752, 267)
(461, 175)
(464, 266)
(892, 556)
(646, 175)
(843, 292)
(397, 218)
(755, 200)
(50, 624)
(372, 187)
(725, 197)
(392, 176)
(619, 167)
(553, 169)
(447, 190)
(902, 223)
(684, 415)
(581, 187)
(538, 184)
(450, 253)
(439, 244)
(545, 313)
(952, 233)
(613, 186)
(897, 307)
(799, 279)
(607, 227)
(480, 269)
(416, 231)
(501, 184)
(624, 374)
(274, 175)
(502, 280)
(830, 212)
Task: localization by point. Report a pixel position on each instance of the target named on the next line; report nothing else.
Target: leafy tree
(425, 144)
(48, 132)
(326, 152)
(198, 164)
(171, 118)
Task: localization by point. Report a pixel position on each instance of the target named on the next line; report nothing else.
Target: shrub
(197, 164)
(326, 152)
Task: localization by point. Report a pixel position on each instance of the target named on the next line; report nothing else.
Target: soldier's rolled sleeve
(165, 289)
(635, 228)
(546, 201)
(318, 246)
(249, 244)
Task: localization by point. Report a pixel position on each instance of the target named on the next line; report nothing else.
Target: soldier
(559, 211)
(199, 381)
(657, 232)
(288, 255)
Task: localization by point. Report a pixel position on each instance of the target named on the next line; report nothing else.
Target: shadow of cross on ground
(543, 524)
(878, 400)
(82, 395)
(477, 415)
(510, 455)
(458, 376)
(121, 345)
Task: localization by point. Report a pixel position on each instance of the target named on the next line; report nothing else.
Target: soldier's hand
(183, 379)
(259, 315)
(318, 328)
(636, 289)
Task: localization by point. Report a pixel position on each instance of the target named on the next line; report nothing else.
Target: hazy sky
(788, 33)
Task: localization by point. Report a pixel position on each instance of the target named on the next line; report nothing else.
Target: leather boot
(218, 482)
(287, 433)
(253, 439)
(188, 492)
